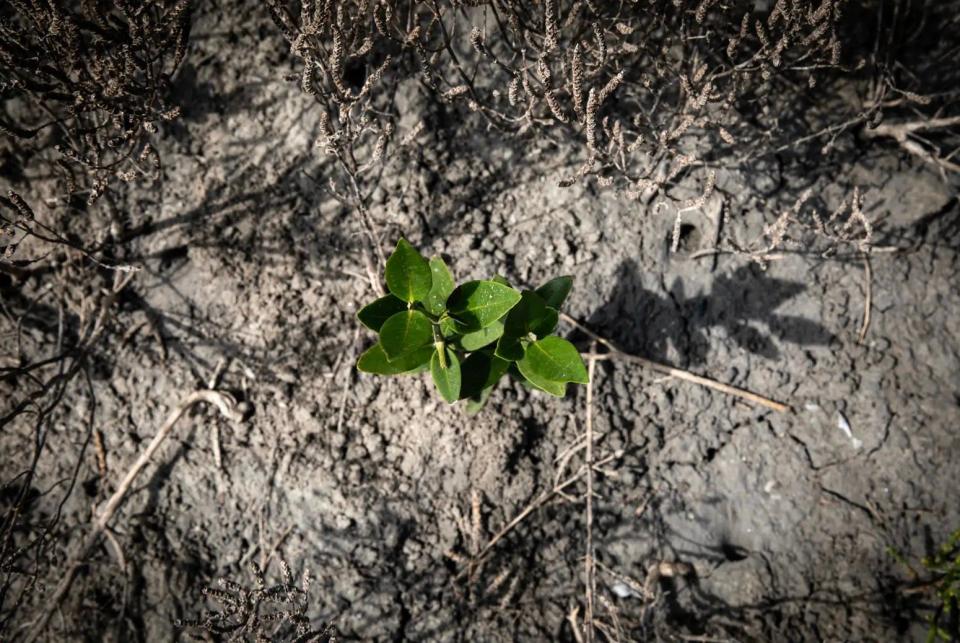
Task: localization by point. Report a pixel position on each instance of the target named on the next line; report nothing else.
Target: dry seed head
(508, 595)
(821, 13)
(24, 211)
(708, 188)
(365, 47)
(916, 98)
(498, 581)
(476, 39)
(835, 51)
(576, 80)
(554, 105)
(551, 28)
(681, 128)
(543, 70)
(453, 92)
(590, 120)
(412, 135)
(776, 13)
(762, 34)
(675, 245)
(513, 93)
(609, 88)
(817, 34)
(702, 9)
(381, 144)
(777, 54)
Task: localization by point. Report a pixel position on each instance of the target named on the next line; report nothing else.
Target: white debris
(623, 590)
(769, 487)
(844, 426)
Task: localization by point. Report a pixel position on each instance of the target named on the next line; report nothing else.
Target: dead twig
(572, 617)
(902, 132)
(868, 298)
(101, 453)
(687, 376)
(590, 578)
(541, 500)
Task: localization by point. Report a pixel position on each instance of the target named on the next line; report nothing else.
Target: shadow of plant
(743, 303)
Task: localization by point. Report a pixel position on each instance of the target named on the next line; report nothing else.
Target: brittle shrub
(91, 80)
(663, 97)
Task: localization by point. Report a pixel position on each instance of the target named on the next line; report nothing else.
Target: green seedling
(468, 336)
(943, 568)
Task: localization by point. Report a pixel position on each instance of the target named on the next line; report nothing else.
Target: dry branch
(616, 353)
(590, 576)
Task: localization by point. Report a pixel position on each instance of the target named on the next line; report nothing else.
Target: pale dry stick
(573, 617)
(590, 578)
(868, 298)
(121, 561)
(267, 555)
(687, 376)
(533, 506)
(713, 252)
(564, 458)
(212, 384)
(89, 334)
(901, 132)
(346, 387)
(227, 406)
(101, 453)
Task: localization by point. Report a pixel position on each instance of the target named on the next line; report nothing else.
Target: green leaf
(510, 348)
(479, 338)
(500, 279)
(558, 389)
(373, 315)
(555, 291)
(481, 372)
(449, 328)
(375, 361)
(531, 315)
(551, 362)
(477, 400)
(547, 324)
(477, 304)
(475, 406)
(436, 301)
(405, 332)
(446, 377)
(408, 274)
(556, 359)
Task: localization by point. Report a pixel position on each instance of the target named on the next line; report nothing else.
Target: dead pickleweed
(805, 229)
(97, 75)
(645, 98)
(353, 56)
(19, 223)
(263, 612)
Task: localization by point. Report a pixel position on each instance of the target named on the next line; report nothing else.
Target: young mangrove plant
(468, 336)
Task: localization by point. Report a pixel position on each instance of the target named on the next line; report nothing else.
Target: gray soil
(784, 519)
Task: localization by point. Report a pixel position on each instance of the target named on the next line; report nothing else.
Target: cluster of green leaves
(944, 566)
(468, 336)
